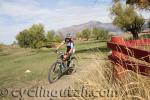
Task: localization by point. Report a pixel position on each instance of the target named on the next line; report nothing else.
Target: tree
(149, 24)
(143, 4)
(50, 36)
(57, 38)
(86, 34)
(100, 34)
(79, 35)
(96, 33)
(37, 34)
(23, 38)
(126, 18)
(32, 36)
(40, 44)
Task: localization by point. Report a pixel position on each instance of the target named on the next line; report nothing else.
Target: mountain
(90, 25)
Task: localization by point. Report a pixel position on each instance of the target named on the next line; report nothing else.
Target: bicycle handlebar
(58, 52)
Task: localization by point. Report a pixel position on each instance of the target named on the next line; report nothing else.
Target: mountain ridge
(90, 25)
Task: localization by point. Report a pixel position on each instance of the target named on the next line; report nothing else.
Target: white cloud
(27, 13)
(33, 12)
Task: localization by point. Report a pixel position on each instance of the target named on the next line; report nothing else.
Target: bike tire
(52, 68)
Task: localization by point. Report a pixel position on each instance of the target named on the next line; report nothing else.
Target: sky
(16, 15)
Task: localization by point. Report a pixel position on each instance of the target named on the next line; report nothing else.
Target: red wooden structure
(123, 50)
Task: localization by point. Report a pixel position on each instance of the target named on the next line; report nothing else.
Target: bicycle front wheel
(54, 72)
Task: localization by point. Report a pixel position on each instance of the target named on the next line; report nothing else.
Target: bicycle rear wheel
(54, 72)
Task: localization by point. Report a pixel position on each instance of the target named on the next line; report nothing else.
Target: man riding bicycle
(70, 47)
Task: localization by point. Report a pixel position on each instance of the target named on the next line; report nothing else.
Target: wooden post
(118, 70)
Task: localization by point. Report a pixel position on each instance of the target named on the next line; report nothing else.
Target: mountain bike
(61, 67)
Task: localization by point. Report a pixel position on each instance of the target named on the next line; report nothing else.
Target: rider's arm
(62, 43)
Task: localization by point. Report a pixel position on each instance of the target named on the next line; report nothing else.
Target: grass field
(95, 72)
(14, 61)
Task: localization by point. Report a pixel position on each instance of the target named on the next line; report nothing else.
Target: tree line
(97, 33)
(36, 37)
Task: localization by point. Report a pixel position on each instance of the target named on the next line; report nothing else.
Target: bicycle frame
(60, 59)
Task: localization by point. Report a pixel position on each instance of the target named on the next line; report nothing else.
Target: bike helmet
(68, 38)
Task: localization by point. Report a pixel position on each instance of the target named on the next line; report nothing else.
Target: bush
(146, 36)
(40, 44)
(1, 47)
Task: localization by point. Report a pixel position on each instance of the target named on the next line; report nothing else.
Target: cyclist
(70, 47)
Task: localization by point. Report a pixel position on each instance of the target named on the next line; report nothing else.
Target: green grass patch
(15, 61)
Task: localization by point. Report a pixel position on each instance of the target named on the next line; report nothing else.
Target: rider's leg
(69, 59)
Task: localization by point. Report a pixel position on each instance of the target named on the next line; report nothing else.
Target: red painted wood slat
(133, 52)
(143, 42)
(130, 65)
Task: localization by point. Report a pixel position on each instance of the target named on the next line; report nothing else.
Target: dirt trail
(90, 71)
(86, 65)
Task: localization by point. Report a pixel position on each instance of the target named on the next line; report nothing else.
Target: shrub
(146, 36)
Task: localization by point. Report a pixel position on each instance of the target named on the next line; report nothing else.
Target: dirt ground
(93, 80)
(86, 69)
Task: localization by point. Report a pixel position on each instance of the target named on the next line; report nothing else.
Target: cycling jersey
(69, 46)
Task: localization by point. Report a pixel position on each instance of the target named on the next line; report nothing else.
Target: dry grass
(147, 48)
(99, 76)
(95, 72)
